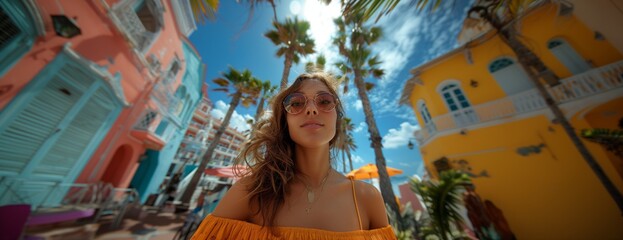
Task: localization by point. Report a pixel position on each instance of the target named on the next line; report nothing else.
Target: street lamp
(410, 145)
(65, 27)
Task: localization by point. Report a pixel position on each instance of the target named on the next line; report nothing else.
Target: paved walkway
(153, 226)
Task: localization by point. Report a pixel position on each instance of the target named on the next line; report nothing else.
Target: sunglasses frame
(285, 107)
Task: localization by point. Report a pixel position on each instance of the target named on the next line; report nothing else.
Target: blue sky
(410, 39)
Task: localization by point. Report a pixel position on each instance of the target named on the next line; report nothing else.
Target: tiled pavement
(154, 225)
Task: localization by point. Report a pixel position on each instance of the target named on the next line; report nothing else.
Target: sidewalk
(154, 225)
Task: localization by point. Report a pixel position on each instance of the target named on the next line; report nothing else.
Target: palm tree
(347, 143)
(245, 92)
(267, 90)
(442, 199)
(204, 10)
(293, 41)
(350, 146)
(319, 64)
(353, 41)
(506, 27)
(254, 3)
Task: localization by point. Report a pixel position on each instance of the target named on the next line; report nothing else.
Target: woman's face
(314, 125)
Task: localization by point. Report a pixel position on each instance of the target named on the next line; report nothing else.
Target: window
(457, 103)
(428, 121)
(510, 76)
(17, 33)
(568, 56)
(180, 93)
(140, 20)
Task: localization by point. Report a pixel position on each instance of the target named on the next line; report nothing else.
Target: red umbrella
(227, 172)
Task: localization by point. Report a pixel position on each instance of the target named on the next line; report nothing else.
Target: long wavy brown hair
(270, 152)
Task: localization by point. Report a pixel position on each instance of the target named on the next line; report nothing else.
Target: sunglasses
(296, 102)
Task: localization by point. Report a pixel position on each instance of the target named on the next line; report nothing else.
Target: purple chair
(13, 219)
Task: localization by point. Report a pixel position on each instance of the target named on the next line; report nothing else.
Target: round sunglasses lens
(325, 102)
(294, 103)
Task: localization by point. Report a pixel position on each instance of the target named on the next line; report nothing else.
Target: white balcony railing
(184, 17)
(592, 82)
(129, 23)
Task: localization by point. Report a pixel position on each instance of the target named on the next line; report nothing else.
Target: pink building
(85, 89)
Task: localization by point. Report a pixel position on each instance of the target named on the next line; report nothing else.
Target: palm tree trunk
(350, 159)
(207, 156)
(533, 64)
(287, 64)
(260, 109)
(386, 186)
(272, 4)
(343, 160)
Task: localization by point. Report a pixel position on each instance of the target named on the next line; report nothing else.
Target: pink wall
(102, 43)
(406, 195)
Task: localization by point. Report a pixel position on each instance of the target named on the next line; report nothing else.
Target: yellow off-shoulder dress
(217, 228)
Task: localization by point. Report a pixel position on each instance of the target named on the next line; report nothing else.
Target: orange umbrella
(370, 171)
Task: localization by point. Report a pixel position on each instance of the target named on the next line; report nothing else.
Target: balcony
(590, 83)
(164, 97)
(149, 130)
(184, 17)
(138, 26)
(194, 127)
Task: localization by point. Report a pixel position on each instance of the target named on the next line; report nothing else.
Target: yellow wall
(549, 195)
(543, 25)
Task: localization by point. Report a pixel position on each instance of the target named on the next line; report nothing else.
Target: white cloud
(357, 159)
(360, 127)
(237, 121)
(396, 138)
(401, 34)
(358, 105)
(322, 28)
(406, 33)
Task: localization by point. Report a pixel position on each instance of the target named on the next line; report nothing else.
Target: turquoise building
(154, 164)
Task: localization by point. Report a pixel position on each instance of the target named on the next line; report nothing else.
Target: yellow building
(480, 113)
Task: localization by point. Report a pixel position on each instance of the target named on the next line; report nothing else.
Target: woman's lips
(312, 125)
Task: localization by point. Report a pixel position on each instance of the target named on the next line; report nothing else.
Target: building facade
(81, 92)
(153, 168)
(481, 114)
(199, 135)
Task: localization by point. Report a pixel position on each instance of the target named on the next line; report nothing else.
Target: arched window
(457, 103)
(428, 121)
(511, 77)
(568, 56)
(180, 93)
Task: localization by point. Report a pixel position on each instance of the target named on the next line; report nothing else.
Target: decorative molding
(114, 81)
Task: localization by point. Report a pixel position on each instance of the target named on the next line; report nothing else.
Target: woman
(292, 192)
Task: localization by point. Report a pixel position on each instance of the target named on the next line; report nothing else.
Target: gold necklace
(310, 192)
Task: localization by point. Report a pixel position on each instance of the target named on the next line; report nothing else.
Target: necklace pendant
(307, 210)
(310, 196)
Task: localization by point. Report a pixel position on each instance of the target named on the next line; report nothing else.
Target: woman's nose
(311, 108)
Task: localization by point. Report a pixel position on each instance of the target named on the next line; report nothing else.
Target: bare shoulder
(372, 203)
(235, 203)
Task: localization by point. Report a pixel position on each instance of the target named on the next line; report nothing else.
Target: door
(511, 77)
(49, 131)
(459, 106)
(568, 56)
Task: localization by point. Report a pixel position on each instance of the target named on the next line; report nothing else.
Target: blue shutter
(37, 122)
(69, 148)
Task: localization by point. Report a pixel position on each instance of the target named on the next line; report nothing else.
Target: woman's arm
(373, 205)
(235, 203)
